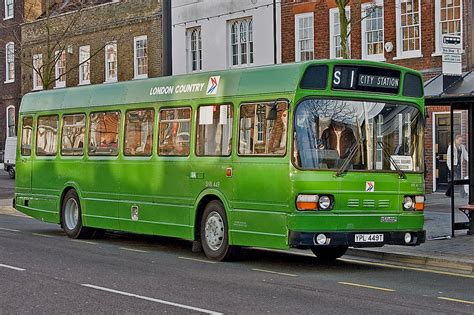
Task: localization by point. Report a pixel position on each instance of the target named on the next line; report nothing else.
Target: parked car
(10, 156)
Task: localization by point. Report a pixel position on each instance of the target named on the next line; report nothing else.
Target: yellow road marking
(366, 286)
(134, 250)
(455, 300)
(447, 273)
(200, 260)
(275, 272)
(43, 235)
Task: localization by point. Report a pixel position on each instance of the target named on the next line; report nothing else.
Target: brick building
(106, 41)
(402, 32)
(11, 15)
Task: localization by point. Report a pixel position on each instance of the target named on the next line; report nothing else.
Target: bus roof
(215, 85)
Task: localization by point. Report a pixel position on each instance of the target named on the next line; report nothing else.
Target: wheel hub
(214, 230)
(71, 214)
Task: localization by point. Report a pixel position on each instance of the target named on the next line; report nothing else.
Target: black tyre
(98, 233)
(329, 253)
(11, 173)
(215, 232)
(71, 217)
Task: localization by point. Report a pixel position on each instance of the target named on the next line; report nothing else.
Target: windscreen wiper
(388, 156)
(355, 147)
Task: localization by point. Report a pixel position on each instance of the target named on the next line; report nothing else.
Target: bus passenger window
(104, 133)
(47, 135)
(26, 136)
(174, 133)
(263, 128)
(72, 141)
(214, 132)
(139, 132)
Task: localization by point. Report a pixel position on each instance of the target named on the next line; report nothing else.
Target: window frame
(57, 136)
(89, 126)
(249, 50)
(32, 135)
(365, 55)
(83, 64)
(286, 135)
(158, 130)
(85, 136)
(7, 125)
(438, 31)
(36, 76)
(9, 73)
(197, 126)
(298, 51)
(189, 49)
(399, 32)
(135, 57)
(152, 133)
(107, 78)
(12, 4)
(332, 21)
(60, 80)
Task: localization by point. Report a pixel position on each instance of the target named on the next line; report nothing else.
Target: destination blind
(368, 79)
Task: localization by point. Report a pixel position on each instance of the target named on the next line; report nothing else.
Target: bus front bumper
(357, 239)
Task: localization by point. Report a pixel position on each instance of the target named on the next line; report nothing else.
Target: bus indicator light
(228, 172)
(307, 202)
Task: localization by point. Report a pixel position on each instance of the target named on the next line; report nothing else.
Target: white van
(10, 156)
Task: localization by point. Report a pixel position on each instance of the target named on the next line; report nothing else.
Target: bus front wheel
(11, 172)
(215, 233)
(71, 218)
(329, 254)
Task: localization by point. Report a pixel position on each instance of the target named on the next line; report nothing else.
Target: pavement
(440, 251)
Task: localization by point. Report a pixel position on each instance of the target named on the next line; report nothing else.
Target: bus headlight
(407, 238)
(325, 202)
(408, 203)
(416, 203)
(321, 239)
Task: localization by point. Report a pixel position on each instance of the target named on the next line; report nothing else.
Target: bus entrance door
(24, 160)
(260, 202)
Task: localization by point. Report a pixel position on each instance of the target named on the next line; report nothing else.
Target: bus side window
(26, 136)
(174, 133)
(47, 135)
(214, 130)
(263, 128)
(72, 140)
(139, 132)
(104, 133)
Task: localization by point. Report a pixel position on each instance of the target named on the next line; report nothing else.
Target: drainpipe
(167, 54)
(274, 33)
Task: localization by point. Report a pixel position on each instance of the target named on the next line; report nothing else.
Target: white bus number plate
(369, 238)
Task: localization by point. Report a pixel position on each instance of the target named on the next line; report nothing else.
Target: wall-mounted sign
(452, 49)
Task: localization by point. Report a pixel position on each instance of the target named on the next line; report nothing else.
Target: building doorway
(442, 139)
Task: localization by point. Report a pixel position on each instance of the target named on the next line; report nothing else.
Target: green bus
(320, 155)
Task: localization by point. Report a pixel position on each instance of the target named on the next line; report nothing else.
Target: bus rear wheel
(329, 254)
(71, 217)
(215, 233)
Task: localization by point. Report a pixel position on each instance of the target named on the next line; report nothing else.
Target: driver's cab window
(336, 140)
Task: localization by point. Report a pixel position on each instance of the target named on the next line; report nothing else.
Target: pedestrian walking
(455, 166)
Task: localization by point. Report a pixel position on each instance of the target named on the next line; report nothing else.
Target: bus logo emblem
(369, 186)
(213, 85)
